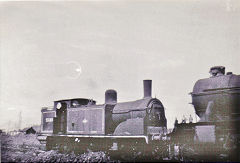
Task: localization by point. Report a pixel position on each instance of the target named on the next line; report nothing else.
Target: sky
(55, 50)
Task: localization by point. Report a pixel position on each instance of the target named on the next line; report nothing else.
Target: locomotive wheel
(127, 151)
(79, 147)
(49, 143)
(186, 153)
(132, 152)
(159, 151)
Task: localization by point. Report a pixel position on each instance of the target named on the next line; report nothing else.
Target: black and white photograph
(120, 81)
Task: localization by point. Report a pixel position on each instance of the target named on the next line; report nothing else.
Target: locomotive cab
(54, 119)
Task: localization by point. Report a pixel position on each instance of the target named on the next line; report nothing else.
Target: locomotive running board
(106, 136)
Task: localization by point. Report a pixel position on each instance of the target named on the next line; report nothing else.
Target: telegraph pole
(20, 120)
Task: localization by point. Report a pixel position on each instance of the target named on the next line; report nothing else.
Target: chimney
(217, 71)
(110, 96)
(147, 88)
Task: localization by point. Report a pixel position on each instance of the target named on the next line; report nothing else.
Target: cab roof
(78, 99)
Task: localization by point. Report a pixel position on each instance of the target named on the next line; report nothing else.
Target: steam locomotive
(217, 134)
(79, 124)
(141, 127)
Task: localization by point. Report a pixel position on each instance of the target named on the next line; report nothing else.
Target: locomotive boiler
(80, 124)
(216, 101)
